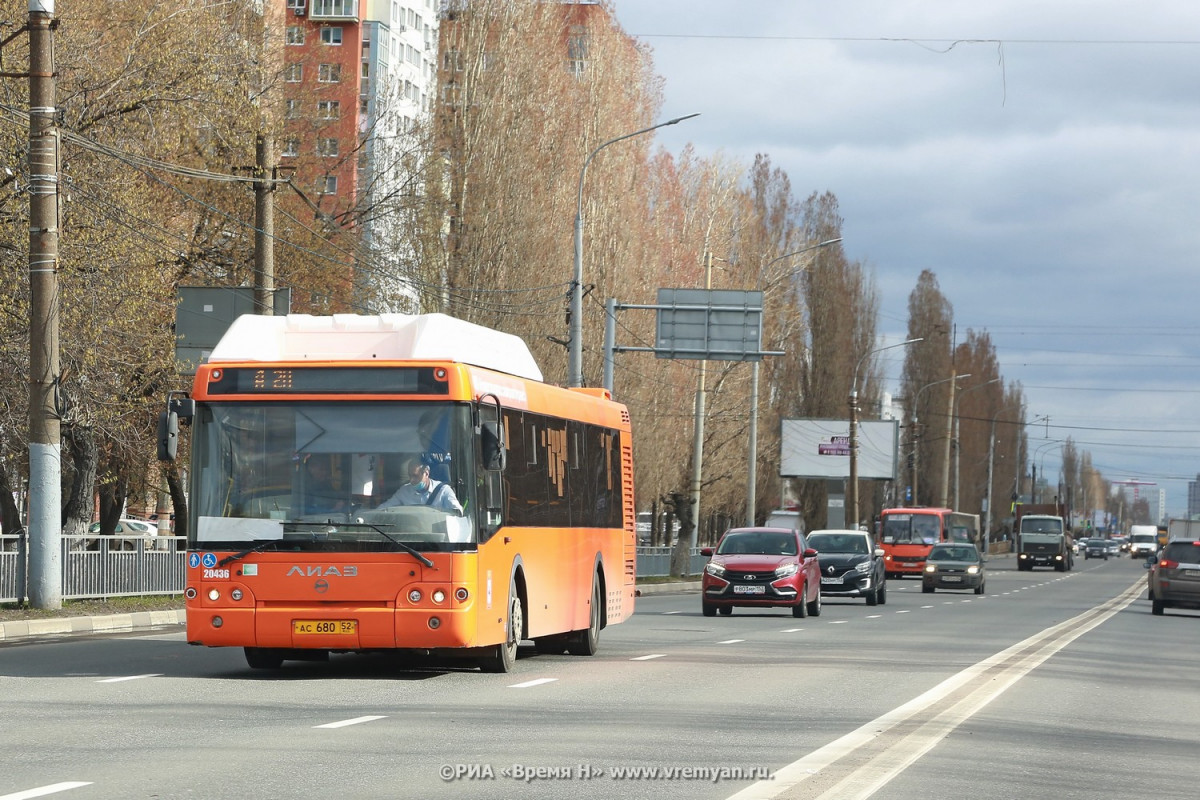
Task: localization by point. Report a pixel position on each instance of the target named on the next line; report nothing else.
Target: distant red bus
(908, 534)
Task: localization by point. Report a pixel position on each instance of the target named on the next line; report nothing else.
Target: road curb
(676, 587)
(115, 623)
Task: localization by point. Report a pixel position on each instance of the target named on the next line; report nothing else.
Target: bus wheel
(505, 655)
(264, 657)
(586, 642)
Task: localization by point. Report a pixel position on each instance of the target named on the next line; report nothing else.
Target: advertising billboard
(820, 448)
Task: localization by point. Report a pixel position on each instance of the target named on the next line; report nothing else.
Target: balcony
(333, 10)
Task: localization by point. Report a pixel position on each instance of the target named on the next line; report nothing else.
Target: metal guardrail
(99, 567)
(96, 567)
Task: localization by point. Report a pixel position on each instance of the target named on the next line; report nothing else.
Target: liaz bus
(908, 534)
(303, 539)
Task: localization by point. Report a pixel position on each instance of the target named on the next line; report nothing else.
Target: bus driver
(422, 490)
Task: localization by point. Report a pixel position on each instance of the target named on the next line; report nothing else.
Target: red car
(762, 568)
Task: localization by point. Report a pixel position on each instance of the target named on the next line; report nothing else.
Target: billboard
(820, 448)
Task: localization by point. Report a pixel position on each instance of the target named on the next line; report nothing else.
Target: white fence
(98, 566)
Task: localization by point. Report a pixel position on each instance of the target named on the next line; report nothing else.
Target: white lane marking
(347, 722)
(904, 611)
(791, 630)
(874, 616)
(647, 658)
(731, 641)
(669, 613)
(926, 606)
(838, 621)
(42, 791)
(536, 682)
(1010, 665)
(131, 678)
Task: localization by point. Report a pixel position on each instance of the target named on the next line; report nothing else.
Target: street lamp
(917, 430)
(752, 468)
(575, 332)
(1033, 492)
(853, 488)
(957, 444)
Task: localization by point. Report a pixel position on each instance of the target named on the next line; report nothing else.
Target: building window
(293, 73)
(327, 148)
(292, 110)
(329, 73)
(327, 184)
(366, 70)
(296, 5)
(291, 146)
(295, 34)
(335, 8)
(328, 109)
(331, 35)
(452, 61)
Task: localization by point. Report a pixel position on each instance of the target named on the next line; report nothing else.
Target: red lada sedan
(762, 568)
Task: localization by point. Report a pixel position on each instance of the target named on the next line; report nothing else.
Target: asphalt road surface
(1050, 685)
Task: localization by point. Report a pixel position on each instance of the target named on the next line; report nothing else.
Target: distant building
(1193, 501)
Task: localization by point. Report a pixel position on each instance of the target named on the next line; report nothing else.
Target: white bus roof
(382, 337)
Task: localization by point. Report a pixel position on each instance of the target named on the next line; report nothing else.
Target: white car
(125, 535)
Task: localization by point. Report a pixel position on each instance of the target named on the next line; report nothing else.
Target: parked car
(954, 566)
(1174, 579)
(1096, 548)
(761, 568)
(125, 536)
(851, 565)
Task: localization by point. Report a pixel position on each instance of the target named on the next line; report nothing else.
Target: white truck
(1143, 541)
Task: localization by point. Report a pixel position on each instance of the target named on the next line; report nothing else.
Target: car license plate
(749, 590)
(952, 578)
(324, 626)
(1192, 573)
(831, 580)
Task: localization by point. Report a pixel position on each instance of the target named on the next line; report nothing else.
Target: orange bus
(310, 437)
(908, 534)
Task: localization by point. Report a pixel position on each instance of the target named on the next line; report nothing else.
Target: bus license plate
(324, 626)
(749, 590)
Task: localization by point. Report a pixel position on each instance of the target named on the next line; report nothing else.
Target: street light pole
(957, 444)
(987, 512)
(752, 467)
(575, 332)
(852, 489)
(917, 430)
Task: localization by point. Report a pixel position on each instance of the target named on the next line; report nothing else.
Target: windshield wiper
(405, 546)
(258, 548)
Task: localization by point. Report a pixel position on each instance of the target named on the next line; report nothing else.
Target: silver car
(954, 565)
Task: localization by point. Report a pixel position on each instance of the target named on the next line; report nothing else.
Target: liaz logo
(323, 572)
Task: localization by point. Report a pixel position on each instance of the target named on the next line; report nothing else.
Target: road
(1050, 685)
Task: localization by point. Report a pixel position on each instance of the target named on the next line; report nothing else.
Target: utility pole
(698, 429)
(264, 226)
(45, 449)
(945, 497)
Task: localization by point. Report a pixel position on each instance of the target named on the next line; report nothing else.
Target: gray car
(1174, 579)
(955, 565)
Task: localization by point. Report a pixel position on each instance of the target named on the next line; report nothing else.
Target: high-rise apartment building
(357, 77)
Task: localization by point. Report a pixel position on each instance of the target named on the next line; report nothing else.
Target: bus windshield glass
(341, 476)
(911, 529)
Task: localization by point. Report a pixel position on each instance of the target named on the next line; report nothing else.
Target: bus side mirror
(168, 436)
(492, 444)
(168, 426)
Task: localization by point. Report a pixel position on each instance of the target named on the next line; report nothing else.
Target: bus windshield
(911, 529)
(356, 476)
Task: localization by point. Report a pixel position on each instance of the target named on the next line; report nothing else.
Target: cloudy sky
(1042, 158)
